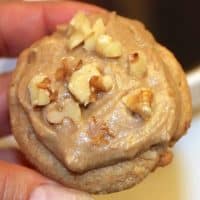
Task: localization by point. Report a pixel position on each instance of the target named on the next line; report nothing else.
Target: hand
(20, 25)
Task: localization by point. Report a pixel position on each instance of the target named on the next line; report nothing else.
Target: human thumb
(21, 183)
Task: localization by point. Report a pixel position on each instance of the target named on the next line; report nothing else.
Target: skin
(26, 24)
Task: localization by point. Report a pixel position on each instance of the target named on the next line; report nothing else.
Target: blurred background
(175, 23)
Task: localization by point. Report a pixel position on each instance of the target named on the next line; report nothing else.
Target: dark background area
(176, 24)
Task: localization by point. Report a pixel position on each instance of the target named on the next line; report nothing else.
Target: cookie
(97, 105)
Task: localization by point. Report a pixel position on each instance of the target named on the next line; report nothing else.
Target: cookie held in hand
(97, 105)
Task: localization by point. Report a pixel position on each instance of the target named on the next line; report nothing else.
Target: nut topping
(81, 23)
(44, 84)
(79, 29)
(101, 83)
(94, 37)
(137, 64)
(75, 39)
(139, 101)
(79, 82)
(70, 64)
(99, 27)
(97, 30)
(107, 47)
(53, 95)
(38, 89)
(86, 81)
(61, 73)
(55, 113)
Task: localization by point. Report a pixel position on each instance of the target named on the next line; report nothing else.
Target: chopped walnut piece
(89, 43)
(86, 81)
(61, 73)
(79, 29)
(99, 27)
(107, 82)
(39, 96)
(79, 82)
(101, 83)
(81, 22)
(93, 97)
(107, 47)
(70, 64)
(44, 84)
(165, 158)
(97, 30)
(53, 95)
(139, 101)
(94, 37)
(75, 39)
(55, 113)
(99, 132)
(137, 64)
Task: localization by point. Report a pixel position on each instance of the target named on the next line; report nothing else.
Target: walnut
(53, 95)
(101, 83)
(79, 82)
(61, 73)
(139, 101)
(73, 62)
(38, 90)
(44, 84)
(137, 64)
(94, 37)
(55, 113)
(79, 29)
(97, 30)
(75, 39)
(106, 46)
(85, 82)
(69, 65)
(81, 22)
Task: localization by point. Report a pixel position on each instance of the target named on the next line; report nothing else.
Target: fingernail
(54, 192)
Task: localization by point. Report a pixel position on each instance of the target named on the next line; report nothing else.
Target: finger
(14, 156)
(10, 151)
(4, 116)
(8, 142)
(17, 182)
(30, 21)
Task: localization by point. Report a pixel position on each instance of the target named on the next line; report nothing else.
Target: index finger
(4, 118)
(23, 23)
